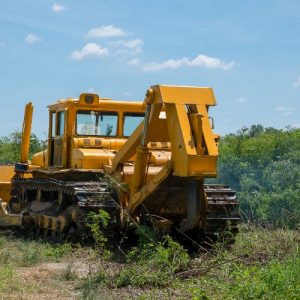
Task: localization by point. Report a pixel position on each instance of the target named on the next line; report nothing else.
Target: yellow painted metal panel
(40, 159)
(91, 158)
(184, 94)
(98, 142)
(5, 188)
(208, 135)
(8, 220)
(184, 129)
(176, 134)
(202, 166)
(7, 173)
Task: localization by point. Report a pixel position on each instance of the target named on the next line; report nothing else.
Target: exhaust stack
(26, 132)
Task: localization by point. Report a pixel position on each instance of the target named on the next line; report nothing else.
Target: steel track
(222, 214)
(222, 206)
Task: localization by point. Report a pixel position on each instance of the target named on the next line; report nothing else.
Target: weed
(89, 285)
(69, 273)
(165, 254)
(96, 223)
(263, 264)
(277, 280)
(26, 253)
(199, 294)
(6, 274)
(146, 235)
(153, 264)
(257, 245)
(30, 257)
(57, 252)
(2, 242)
(5, 256)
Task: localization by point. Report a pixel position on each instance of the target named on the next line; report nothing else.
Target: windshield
(131, 122)
(98, 123)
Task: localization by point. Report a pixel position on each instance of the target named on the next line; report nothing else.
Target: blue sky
(248, 51)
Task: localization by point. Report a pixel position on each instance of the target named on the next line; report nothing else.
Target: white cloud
(283, 108)
(200, 61)
(58, 8)
(134, 62)
(31, 38)
(106, 31)
(241, 100)
(286, 111)
(297, 125)
(89, 50)
(128, 47)
(133, 43)
(135, 46)
(127, 94)
(297, 82)
(210, 62)
(169, 64)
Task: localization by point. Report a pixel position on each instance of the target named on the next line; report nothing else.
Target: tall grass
(262, 264)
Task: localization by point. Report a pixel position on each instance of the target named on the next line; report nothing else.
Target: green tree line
(263, 166)
(10, 147)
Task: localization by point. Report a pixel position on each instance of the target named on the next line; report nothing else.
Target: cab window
(96, 123)
(53, 123)
(60, 123)
(131, 122)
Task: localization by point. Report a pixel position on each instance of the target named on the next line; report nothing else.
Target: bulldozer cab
(89, 122)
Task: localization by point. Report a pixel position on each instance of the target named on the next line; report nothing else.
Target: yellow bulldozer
(142, 162)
